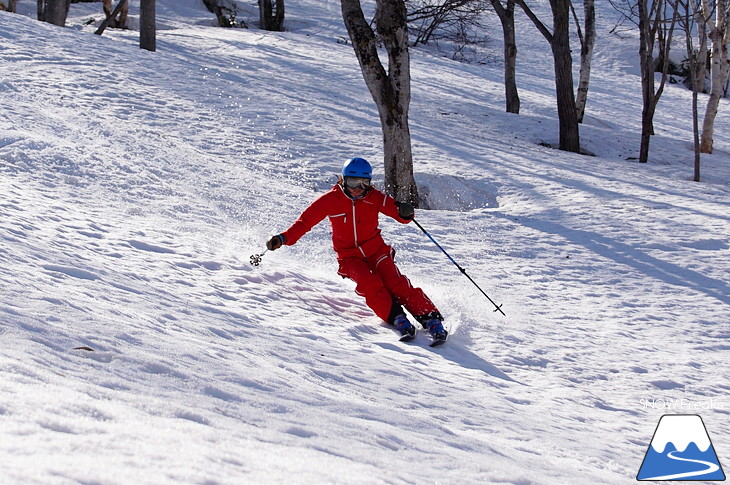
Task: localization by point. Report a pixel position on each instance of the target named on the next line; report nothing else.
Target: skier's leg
(412, 298)
(371, 287)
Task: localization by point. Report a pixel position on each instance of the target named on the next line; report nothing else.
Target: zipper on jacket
(354, 229)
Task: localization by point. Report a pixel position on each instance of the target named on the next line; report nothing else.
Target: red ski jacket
(355, 231)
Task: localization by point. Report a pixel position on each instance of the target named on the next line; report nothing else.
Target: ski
(439, 341)
(407, 336)
(435, 342)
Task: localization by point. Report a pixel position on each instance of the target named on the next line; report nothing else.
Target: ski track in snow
(135, 186)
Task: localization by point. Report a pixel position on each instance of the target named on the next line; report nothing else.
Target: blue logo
(681, 450)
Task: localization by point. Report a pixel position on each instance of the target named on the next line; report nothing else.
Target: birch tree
(506, 14)
(559, 40)
(693, 20)
(587, 42)
(720, 68)
(391, 89)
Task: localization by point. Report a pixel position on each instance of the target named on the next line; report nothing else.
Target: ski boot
(436, 329)
(405, 328)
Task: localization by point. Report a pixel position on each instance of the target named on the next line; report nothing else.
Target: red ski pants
(385, 289)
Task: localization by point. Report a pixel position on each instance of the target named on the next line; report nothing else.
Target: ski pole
(256, 258)
(498, 307)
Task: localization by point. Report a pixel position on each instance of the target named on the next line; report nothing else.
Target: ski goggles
(357, 183)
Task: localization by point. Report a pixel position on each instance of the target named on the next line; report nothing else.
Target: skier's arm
(312, 215)
(400, 211)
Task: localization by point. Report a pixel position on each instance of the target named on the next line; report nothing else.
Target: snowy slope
(135, 185)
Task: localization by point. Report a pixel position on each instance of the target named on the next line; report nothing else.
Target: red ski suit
(362, 253)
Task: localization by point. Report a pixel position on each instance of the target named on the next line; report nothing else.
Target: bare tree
(559, 40)
(391, 89)
(693, 20)
(587, 42)
(452, 20)
(656, 20)
(147, 25)
(271, 15)
(656, 29)
(720, 68)
(506, 14)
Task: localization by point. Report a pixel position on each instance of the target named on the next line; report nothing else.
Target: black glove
(275, 242)
(406, 211)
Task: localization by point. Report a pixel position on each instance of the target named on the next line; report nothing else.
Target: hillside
(135, 186)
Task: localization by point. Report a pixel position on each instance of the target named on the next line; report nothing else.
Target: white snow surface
(135, 186)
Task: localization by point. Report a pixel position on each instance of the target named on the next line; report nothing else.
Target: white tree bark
(720, 68)
(587, 41)
(506, 14)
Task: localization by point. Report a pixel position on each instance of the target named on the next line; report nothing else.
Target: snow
(135, 186)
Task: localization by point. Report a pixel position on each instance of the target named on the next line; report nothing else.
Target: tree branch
(535, 20)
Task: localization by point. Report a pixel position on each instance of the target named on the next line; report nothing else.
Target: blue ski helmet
(357, 167)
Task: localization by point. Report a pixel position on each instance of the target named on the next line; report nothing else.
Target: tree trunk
(390, 90)
(271, 15)
(719, 36)
(265, 10)
(696, 86)
(279, 16)
(696, 133)
(122, 22)
(12, 5)
(506, 16)
(653, 29)
(56, 12)
(697, 62)
(646, 61)
(559, 41)
(147, 25)
(111, 20)
(567, 113)
(122, 6)
(586, 56)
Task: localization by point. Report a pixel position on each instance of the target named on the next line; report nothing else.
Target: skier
(353, 206)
